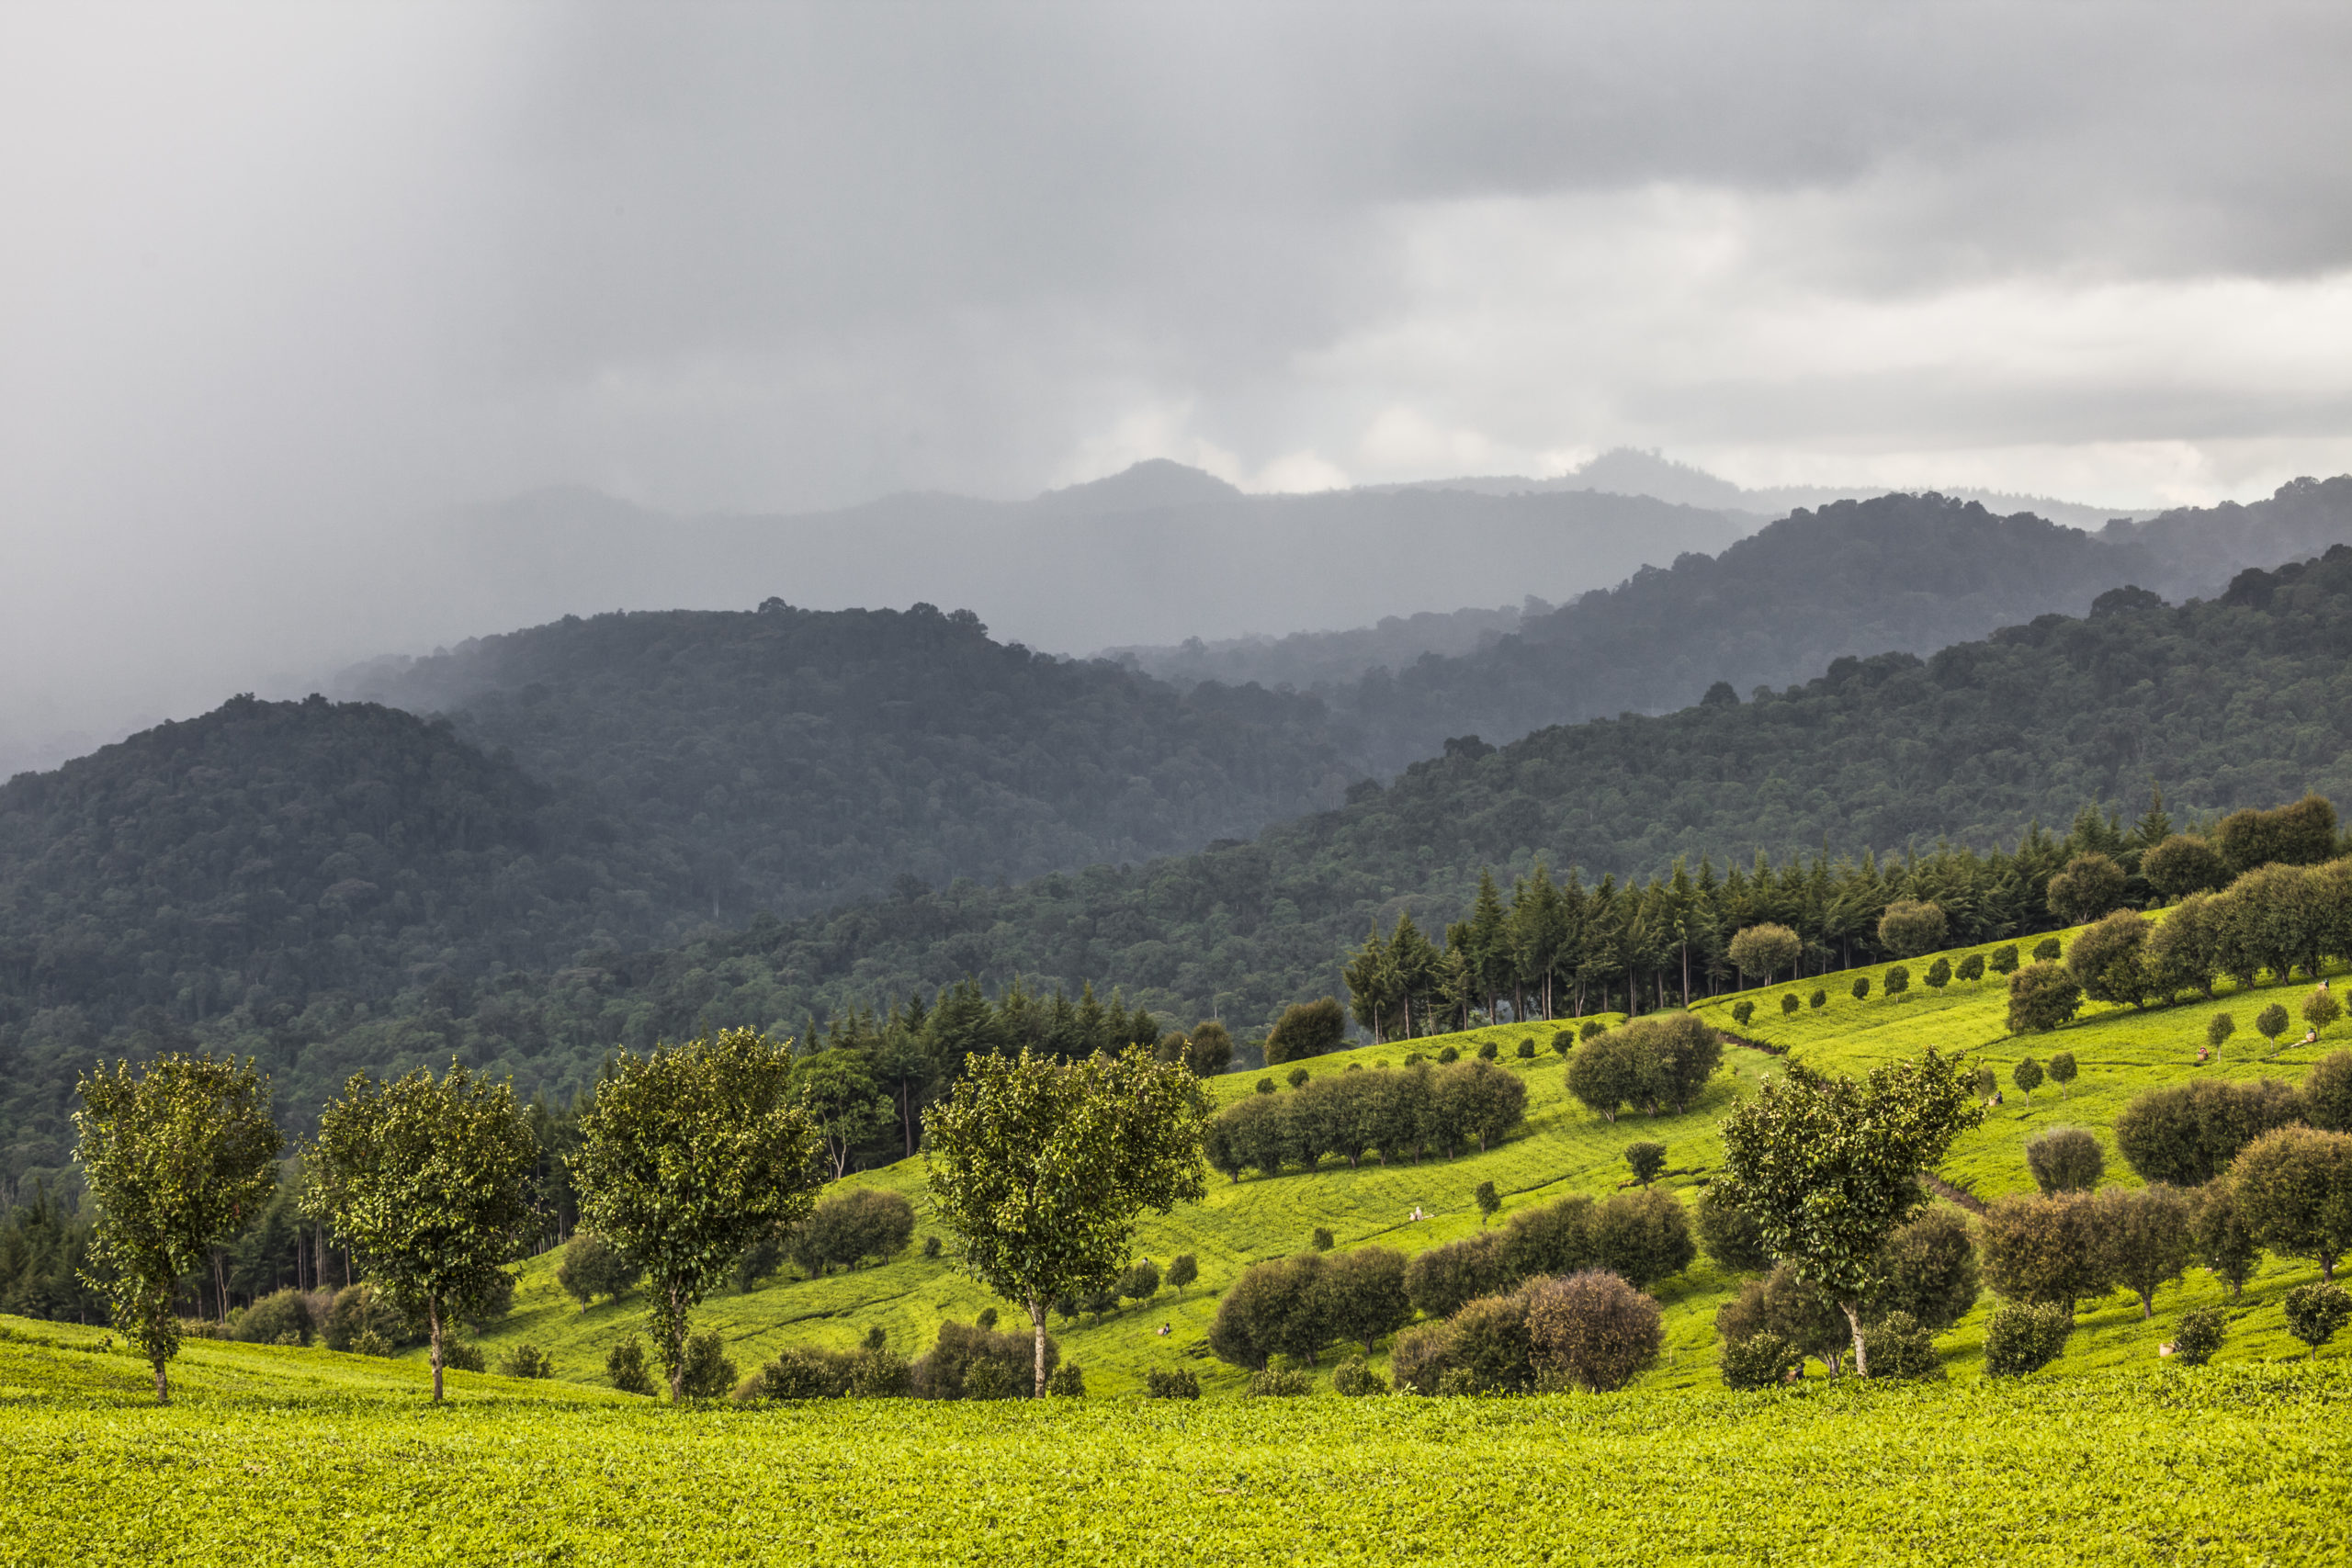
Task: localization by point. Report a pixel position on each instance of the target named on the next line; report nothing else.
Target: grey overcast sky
(271, 276)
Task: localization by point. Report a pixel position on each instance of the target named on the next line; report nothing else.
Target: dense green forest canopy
(1905, 573)
(797, 758)
(1913, 770)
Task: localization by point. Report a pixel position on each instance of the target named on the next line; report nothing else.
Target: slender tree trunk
(907, 1116)
(675, 1329)
(433, 1316)
(1862, 1356)
(1038, 1322)
(221, 1282)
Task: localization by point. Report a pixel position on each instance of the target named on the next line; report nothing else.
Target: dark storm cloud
(276, 280)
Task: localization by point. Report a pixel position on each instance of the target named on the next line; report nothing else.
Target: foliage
(690, 1156)
(2180, 866)
(1283, 1306)
(1763, 1359)
(429, 1182)
(1729, 1234)
(2301, 834)
(1930, 1272)
(2046, 1250)
(1306, 1029)
(704, 1370)
(1911, 927)
(968, 1362)
(593, 1267)
(177, 1157)
(1354, 1379)
(2293, 1188)
(2225, 1244)
(2326, 1092)
(2043, 995)
(1900, 1347)
(2185, 1135)
(1763, 950)
(1278, 1383)
(1440, 1280)
(2320, 1009)
(1898, 980)
(2062, 1069)
(2148, 1236)
(1826, 1167)
(1067, 1382)
(1183, 1270)
(525, 1360)
(1389, 1115)
(461, 1355)
(2065, 1159)
(1643, 1236)
(2271, 1022)
(1594, 1328)
(2198, 1335)
(2315, 1312)
(1041, 1168)
(1780, 1305)
(2090, 887)
(2027, 1075)
(1647, 1159)
(625, 1368)
(2025, 1337)
(1178, 1383)
(2107, 959)
(845, 1229)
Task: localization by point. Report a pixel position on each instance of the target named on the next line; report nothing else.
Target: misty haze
(721, 724)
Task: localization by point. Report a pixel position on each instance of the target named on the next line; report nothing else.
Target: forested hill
(2242, 701)
(800, 758)
(1907, 573)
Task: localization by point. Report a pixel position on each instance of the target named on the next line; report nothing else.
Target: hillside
(800, 758)
(1563, 1149)
(1963, 1472)
(1898, 573)
(2240, 701)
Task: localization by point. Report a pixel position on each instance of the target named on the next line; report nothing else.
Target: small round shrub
(1066, 1382)
(625, 1367)
(931, 1247)
(1177, 1384)
(1265, 1086)
(987, 1378)
(1972, 968)
(1563, 1041)
(987, 1318)
(1489, 1050)
(1321, 1240)
(283, 1317)
(2198, 1335)
(2327, 1093)
(1449, 1055)
(2271, 1022)
(1741, 1012)
(2218, 1030)
(1899, 1346)
(1527, 1050)
(2315, 1312)
(2024, 1338)
(2002, 960)
(2046, 951)
(1279, 1383)
(1820, 999)
(1729, 1235)
(1789, 1002)
(1593, 1328)
(527, 1360)
(2062, 1069)
(2065, 1159)
(1760, 1360)
(1862, 988)
(523, 1361)
(1938, 974)
(708, 1372)
(1296, 1077)
(1898, 980)
(1647, 1159)
(1592, 1027)
(370, 1343)
(1353, 1380)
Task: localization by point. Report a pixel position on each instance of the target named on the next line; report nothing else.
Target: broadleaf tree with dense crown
(429, 1183)
(177, 1157)
(1829, 1168)
(1041, 1168)
(689, 1156)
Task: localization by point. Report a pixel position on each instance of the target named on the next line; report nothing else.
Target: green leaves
(176, 1157)
(1041, 1167)
(690, 1156)
(430, 1182)
(1829, 1168)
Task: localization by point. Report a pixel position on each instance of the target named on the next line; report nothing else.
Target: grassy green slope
(2217, 1466)
(1563, 1149)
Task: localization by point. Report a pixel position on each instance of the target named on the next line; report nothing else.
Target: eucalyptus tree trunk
(433, 1316)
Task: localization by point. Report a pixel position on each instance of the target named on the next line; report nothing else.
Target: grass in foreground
(2222, 1465)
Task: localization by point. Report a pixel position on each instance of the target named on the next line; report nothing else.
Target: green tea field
(305, 1456)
